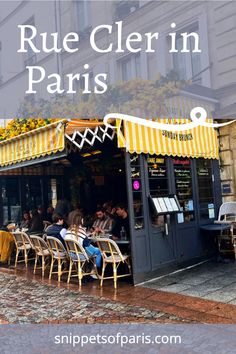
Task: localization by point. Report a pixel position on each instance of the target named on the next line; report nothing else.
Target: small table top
(215, 227)
(119, 241)
(122, 242)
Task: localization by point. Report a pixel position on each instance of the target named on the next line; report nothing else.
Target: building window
(83, 15)
(187, 65)
(1, 71)
(29, 56)
(124, 8)
(130, 67)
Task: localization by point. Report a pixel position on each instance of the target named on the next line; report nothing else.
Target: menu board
(157, 205)
(174, 205)
(166, 205)
(183, 182)
(157, 172)
(203, 172)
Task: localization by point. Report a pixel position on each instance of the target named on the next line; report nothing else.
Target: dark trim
(34, 161)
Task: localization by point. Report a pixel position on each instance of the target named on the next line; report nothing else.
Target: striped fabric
(198, 142)
(39, 142)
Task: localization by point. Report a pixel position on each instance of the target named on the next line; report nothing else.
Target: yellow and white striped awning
(52, 139)
(197, 142)
(37, 143)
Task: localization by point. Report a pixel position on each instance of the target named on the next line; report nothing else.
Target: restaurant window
(33, 193)
(205, 189)
(184, 189)
(158, 184)
(130, 67)
(11, 201)
(137, 191)
(187, 65)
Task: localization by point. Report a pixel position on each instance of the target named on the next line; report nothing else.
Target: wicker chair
(111, 254)
(227, 239)
(23, 245)
(80, 259)
(58, 255)
(46, 224)
(41, 251)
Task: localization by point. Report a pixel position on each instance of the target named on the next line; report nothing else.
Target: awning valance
(197, 142)
(52, 139)
(40, 142)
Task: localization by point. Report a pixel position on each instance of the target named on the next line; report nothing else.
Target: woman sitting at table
(78, 233)
(25, 223)
(36, 223)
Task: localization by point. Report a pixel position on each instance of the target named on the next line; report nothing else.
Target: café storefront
(157, 165)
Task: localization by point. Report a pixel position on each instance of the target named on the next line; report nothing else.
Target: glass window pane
(158, 184)
(184, 189)
(205, 189)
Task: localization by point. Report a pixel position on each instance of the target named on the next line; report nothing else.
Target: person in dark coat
(57, 229)
(36, 223)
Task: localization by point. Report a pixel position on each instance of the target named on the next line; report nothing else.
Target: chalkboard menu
(157, 174)
(184, 190)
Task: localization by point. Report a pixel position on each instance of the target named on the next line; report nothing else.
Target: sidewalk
(25, 298)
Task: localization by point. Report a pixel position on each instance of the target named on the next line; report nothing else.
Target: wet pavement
(25, 298)
(209, 280)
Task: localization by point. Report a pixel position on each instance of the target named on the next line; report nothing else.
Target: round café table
(215, 229)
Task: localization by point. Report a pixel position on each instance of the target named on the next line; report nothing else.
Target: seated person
(73, 214)
(36, 223)
(109, 209)
(121, 223)
(25, 223)
(103, 223)
(57, 229)
(49, 214)
(78, 233)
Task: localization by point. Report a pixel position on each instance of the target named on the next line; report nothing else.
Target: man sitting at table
(57, 229)
(103, 223)
(121, 223)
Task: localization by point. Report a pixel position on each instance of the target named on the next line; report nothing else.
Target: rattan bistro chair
(23, 245)
(111, 254)
(227, 239)
(41, 251)
(80, 260)
(58, 255)
(45, 225)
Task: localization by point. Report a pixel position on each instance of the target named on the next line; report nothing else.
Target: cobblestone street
(25, 298)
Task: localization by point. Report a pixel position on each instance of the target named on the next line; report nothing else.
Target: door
(186, 222)
(158, 184)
